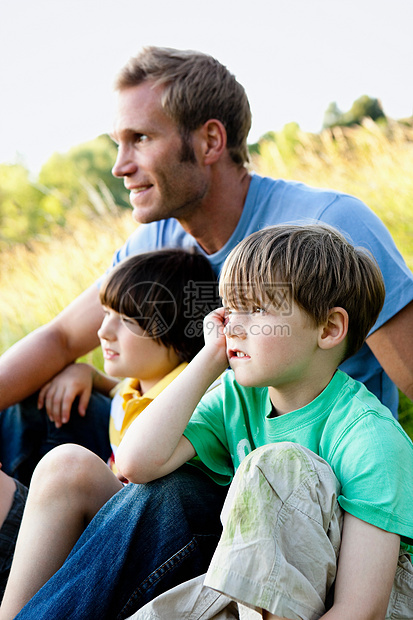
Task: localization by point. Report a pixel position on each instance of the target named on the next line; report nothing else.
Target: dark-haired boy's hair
(167, 292)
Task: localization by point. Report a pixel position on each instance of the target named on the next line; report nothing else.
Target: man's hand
(59, 394)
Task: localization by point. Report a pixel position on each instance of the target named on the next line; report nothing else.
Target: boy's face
(129, 352)
(272, 348)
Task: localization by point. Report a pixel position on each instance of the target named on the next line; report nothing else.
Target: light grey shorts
(279, 546)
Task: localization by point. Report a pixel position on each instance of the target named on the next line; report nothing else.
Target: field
(372, 162)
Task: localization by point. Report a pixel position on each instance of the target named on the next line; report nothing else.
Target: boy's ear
(335, 329)
(213, 137)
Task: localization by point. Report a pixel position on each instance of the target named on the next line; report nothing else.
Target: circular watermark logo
(152, 306)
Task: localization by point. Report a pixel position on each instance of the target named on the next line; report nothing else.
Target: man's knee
(188, 494)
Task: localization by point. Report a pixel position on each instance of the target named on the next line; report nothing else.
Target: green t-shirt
(346, 425)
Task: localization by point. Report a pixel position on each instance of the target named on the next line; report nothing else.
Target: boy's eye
(127, 319)
(106, 311)
(258, 310)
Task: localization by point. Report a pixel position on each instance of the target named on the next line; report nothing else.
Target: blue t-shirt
(271, 202)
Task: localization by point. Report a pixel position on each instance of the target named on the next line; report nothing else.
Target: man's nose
(124, 164)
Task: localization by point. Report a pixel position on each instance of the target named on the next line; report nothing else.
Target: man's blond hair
(196, 88)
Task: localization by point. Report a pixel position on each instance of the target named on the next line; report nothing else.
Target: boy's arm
(366, 570)
(154, 444)
(76, 380)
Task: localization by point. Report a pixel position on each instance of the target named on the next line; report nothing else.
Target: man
(181, 125)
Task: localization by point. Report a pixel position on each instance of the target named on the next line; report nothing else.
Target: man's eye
(141, 137)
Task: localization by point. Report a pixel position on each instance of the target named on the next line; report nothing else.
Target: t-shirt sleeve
(206, 432)
(376, 474)
(143, 239)
(152, 236)
(363, 228)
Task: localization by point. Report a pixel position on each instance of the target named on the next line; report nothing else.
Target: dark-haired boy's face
(129, 352)
(163, 180)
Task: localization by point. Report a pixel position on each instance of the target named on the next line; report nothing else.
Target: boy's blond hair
(196, 88)
(316, 265)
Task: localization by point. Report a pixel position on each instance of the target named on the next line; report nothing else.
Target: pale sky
(58, 59)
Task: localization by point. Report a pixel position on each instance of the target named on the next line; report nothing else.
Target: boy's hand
(59, 394)
(214, 336)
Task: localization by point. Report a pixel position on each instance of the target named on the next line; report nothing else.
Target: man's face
(163, 176)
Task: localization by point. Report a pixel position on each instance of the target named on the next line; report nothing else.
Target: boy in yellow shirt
(150, 331)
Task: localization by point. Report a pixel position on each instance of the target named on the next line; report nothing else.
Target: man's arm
(35, 359)
(392, 345)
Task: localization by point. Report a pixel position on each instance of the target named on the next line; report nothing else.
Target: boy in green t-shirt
(321, 465)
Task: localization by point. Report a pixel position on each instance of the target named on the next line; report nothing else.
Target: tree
(332, 116)
(363, 107)
(25, 211)
(82, 179)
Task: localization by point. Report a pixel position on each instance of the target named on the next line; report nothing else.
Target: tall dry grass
(372, 162)
(39, 280)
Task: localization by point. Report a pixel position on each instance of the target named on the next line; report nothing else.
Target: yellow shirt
(128, 403)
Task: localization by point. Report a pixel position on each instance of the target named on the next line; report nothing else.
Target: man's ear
(335, 329)
(213, 137)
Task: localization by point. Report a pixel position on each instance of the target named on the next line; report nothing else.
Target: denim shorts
(279, 547)
(9, 531)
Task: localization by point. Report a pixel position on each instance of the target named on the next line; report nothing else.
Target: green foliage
(77, 184)
(406, 414)
(82, 179)
(364, 107)
(284, 145)
(24, 209)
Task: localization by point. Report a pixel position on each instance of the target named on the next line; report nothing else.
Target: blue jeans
(26, 434)
(145, 540)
